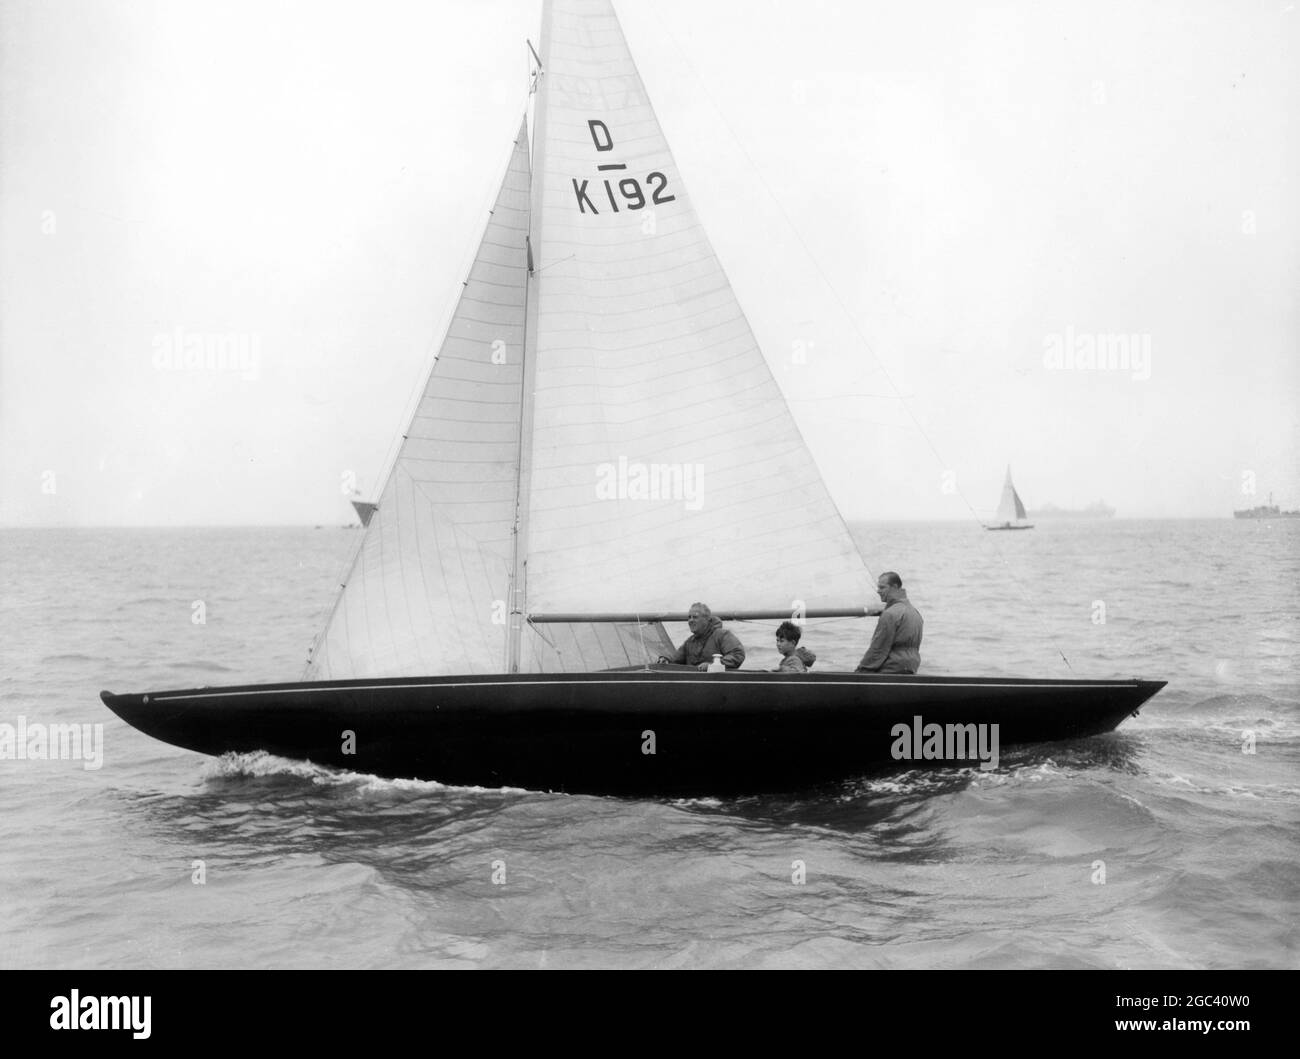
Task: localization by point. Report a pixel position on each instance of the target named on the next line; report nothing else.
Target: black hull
(727, 733)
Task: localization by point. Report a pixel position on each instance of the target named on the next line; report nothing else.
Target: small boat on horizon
(365, 510)
(1011, 512)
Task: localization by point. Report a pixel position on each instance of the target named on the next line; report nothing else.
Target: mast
(519, 581)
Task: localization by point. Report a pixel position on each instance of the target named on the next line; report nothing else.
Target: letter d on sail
(595, 123)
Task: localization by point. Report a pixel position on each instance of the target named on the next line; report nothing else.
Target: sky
(923, 208)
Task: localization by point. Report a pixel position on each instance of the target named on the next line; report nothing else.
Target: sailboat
(600, 442)
(1011, 512)
(364, 509)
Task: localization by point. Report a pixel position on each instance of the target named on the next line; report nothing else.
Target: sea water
(1171, 843)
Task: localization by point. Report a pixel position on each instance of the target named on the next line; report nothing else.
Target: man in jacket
(896, 646)
(708, 638)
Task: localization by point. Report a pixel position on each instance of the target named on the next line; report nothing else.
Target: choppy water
(309, 867)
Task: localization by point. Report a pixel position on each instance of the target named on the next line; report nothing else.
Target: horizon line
(356, 525)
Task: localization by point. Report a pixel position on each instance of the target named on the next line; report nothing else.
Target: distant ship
(1269, 510)
(1011, 510)
(1097, 509)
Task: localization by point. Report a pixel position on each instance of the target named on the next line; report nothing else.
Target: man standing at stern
(896, 646)
(708, 638)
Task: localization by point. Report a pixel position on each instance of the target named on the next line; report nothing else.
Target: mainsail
(1010, 509)
(600, 431)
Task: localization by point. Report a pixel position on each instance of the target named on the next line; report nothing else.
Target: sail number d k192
(629, 188)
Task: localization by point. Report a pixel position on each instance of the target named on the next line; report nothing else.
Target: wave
(1229, 716)
(1189, 785)
(258, 764)
(1219, 702)
(210, 667)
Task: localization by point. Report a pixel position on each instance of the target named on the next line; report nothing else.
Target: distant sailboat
(504, 612)
(364, 509)
(1011, 512)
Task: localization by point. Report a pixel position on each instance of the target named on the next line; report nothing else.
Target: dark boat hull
(594, 732)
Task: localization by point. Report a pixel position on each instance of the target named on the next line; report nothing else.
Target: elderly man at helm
(708, 638)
